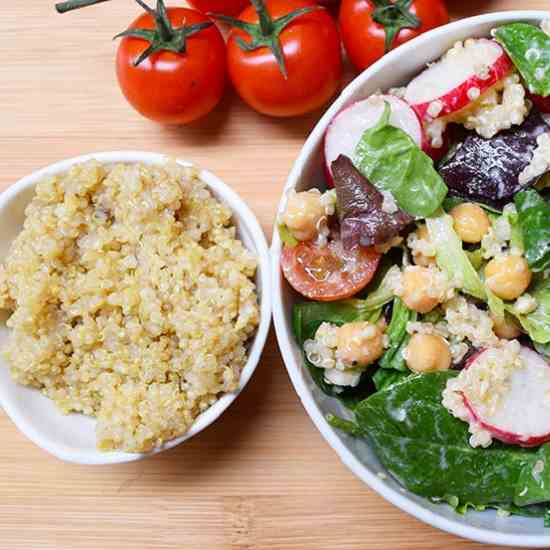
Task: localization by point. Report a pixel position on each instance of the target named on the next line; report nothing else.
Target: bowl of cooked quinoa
(135, 304)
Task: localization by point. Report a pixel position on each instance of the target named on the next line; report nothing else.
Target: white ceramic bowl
(395, 69)
(72, 437)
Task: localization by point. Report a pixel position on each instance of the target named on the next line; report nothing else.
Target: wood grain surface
(260, 478)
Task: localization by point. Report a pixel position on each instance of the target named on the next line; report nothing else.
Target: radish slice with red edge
(347, 127)
(542, 103)
(521, 413)
(460, 77)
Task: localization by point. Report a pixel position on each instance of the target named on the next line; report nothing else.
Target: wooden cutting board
(260, 478)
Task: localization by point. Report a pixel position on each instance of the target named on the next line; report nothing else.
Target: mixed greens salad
(425, 267)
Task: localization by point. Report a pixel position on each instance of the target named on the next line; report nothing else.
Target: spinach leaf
(529, 48)
(533, 486)
(452, 259)
(392, 161)
(537, 323)
(427, 449)
(397, 334)
(505, 508)
(349, 396)
(383, 378)
(534, 221)
(532, 511)
(347, 426)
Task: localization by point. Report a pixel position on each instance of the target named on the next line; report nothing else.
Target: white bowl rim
(245, 216)
(285, 339)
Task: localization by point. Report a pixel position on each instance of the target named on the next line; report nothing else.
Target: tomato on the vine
(171, 63)
(284, 56)
(227, 7)
(370, 28)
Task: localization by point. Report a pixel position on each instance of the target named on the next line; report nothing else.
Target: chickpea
(508, 276)
(385, 247)
(422, 232)
(419, 258)
(360, 343)
(427, 353)
(303, 213)
(470, 222)
(420, 288)
(506, 327)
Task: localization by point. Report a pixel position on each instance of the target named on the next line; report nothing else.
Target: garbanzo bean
(419, 289)
(470, 222)
(506, 327)
(418, 257)
(508, 276)
(303, 213)
(427, 353)
(360, 343)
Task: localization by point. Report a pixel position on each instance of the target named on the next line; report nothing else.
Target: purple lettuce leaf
(362, 220)
(487, 170)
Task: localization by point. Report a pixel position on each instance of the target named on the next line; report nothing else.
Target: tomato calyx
(265, 33)
(165, 37)
(394, 16)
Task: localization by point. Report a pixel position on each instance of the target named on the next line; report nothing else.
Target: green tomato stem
(69, 5)
(266, 23)
(163, 22)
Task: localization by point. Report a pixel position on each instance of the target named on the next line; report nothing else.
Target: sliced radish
(522, 413)
(460, 77)
(347, 127)
(542, 103)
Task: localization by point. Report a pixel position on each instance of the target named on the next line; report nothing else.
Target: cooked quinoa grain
(132, 299)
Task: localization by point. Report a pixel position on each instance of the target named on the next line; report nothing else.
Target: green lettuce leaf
(398, 337)
(286, 236)
(534, 221)
(529, 48)
(543, 349)
(452, 259)
(392, 161)
(537, 323)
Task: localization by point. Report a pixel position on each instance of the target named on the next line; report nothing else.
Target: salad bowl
(309, 171)
(72, 437)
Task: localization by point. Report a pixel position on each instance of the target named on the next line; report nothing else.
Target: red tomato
(328, 273)
(312, 54)
(227, 7)
(171, 87)
(364, 38)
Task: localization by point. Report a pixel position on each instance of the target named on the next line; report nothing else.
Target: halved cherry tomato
(227, 7)
(328, 273)
(370, 28)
